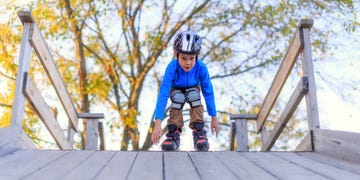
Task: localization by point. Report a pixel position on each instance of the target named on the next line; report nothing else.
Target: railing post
(264, 135)
(242, 141)
(92, 134)
(240, 131)
(232, 136)
(70, 134)
(92, 129)
(15, 133)
(102, 138)
(307, 65)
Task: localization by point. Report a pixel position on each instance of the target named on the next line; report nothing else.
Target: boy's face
(187, 61)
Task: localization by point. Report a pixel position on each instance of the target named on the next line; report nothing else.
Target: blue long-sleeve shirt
(176, 77)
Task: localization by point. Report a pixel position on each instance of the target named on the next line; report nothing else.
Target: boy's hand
(215, 125)
(155, 137)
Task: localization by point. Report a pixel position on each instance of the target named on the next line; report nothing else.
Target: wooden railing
(26, 89)
(306, 87)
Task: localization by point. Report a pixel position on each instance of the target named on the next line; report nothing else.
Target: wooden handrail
(26, 89)
(279, 80)
(306, 87)
(46, 59)
(94, 130)
(43, 110)
(299, 92)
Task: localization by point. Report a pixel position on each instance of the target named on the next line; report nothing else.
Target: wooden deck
(51, 164)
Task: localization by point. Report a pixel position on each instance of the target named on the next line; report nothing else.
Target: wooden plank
(23, 162)
(242, 141)
(119, 166)
(5, 152)
(280, 78)
(26, 142)
(44, 112)
(323, 169)
(242, 167)
(264, 136)
(62, 166)
(92, 166)
(287, 113)
(148, 165)
(9, 137)
(335, 162)
(243, 116)
(308, 70)
(305, 144)
(178, 165)
(70, 134)
(210, 167)
(232, 136)
(102, 136)
(46, 59)
(306, 23)
(92, 134)
(91, 115)
(26, 17)
(339, 144)
(280, 168)
(17, 111)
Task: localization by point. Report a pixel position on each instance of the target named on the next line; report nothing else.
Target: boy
(184, 77)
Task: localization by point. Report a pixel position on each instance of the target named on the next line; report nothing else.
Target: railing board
(44, 112)
(339, 144)
(242, 140)
(308, 70)
(305, 144)
(148, 165)
(119, 166)
(243, 167)
(179, 164)
(240, 131)
(92, 134)
(91, 115)
(280, 78)
(243, 116)
(323, 169)
(288, 111)
(332, 161)
(46, 59)
(26, 17)
(17, 111)
(102, 137)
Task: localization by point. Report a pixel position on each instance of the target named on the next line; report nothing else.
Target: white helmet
(187, 42)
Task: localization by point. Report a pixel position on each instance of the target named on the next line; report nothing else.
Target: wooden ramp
(51, 164)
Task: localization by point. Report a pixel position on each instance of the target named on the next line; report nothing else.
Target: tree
(119, 45)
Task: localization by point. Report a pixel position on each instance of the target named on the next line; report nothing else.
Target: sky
(337, 78)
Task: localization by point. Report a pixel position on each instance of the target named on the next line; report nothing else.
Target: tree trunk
(80, 56)
(125, 140)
